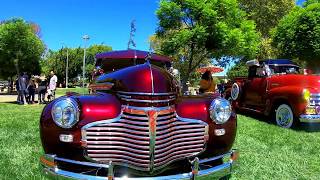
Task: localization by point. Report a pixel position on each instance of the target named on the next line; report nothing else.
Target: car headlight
(65, 112)
(220, 110)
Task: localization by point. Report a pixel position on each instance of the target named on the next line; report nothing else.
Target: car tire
(235, 91)
(284, 116)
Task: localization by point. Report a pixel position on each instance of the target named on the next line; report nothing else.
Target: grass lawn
(266, 151)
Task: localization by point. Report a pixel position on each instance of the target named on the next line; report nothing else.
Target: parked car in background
(136, 124)
(3, 85)
(277, 88)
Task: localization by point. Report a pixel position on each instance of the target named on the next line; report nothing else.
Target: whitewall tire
(284, 116)
(235, 91)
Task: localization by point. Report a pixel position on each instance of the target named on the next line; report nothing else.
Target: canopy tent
(212, 69)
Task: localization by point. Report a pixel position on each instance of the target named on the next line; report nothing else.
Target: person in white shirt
(53, 83)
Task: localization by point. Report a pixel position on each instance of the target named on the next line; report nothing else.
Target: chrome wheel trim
(235, 91)
(284, 116)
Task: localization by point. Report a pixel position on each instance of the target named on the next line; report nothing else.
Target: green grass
(266, 151)
(63, 91)
(19, 141)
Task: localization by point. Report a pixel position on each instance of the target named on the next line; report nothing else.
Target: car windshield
(284, 69)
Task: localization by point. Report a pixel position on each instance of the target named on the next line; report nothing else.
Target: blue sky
(105, 21)
(64, 22)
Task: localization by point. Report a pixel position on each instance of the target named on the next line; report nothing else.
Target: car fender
(289, 94)
(197, 107)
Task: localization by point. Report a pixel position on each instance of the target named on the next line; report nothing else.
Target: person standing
(207, 84)
(22, 81)
(53, 84)
(17, 89)
(31, 89)
(42, 89)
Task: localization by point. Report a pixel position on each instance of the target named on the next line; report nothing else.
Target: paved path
(8, 98)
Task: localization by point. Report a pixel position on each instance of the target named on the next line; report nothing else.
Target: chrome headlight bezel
(220, 110)
(63, 108)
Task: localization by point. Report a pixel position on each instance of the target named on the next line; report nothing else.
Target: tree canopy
(20, 48)
(298, 35)
(200, 30)
(56, 60)
(239, 70)
(266, 13)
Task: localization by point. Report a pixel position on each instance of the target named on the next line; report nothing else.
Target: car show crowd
(27, 87)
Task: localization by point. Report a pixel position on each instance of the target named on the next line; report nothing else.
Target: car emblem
(152, 117)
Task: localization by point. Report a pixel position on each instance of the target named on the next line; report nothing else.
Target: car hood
(144, 78)
(311, 82)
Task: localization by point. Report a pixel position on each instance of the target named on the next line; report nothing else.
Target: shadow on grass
(306, 127)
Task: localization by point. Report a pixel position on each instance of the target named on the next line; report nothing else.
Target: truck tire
(235, 91)
(284, 116)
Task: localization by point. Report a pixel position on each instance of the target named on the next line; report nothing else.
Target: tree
(196, 31)
(266, 13)
(20, 48)
(298, 35)
(308, 2)
(239, 70)
(56, 60)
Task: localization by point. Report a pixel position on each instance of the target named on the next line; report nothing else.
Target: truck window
(252, 72)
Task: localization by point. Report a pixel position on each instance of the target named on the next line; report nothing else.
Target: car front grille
(144, 138)
(147, 99)
(314, 100)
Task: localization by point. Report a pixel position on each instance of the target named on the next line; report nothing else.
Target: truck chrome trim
(148, 101)
(308, 118)
(218, 171)
(156, 129)
(145, 93)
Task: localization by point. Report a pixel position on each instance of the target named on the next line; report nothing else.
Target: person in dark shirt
(31, 91)
(42, 89)
(23, 81)
(17, 89)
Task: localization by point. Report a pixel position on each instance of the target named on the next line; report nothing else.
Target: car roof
(278, 62)
(131, 54)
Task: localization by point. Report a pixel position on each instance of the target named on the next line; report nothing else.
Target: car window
(284, 69)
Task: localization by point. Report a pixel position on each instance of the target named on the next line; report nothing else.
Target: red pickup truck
(276, 88)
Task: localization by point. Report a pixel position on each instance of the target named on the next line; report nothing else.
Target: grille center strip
(152, 116)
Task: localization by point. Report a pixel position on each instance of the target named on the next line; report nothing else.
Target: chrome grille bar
(314, 100)
(144, 138)
(146, 97)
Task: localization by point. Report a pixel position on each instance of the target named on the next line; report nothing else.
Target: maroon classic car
(277, 88)
(136, 124)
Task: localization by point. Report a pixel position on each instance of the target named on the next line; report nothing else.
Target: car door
(255, 91)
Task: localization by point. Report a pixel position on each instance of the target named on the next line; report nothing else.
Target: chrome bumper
(310, 118)
(49, 164)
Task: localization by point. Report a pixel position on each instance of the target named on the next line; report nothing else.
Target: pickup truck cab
(276, 88)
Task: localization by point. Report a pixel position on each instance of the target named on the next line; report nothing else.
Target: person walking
(42, 89)
(53, 84)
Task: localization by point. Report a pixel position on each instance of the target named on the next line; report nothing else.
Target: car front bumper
(308, 118)
(50, 168)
